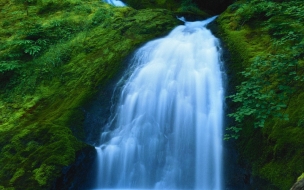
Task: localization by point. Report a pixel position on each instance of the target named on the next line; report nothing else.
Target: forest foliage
(55, 55)
(277, 74)
(266, 40)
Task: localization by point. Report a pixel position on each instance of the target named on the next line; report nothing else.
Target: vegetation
(186, 8)
(54, 55)
(142, 4)
(265, 39)
(191, 6)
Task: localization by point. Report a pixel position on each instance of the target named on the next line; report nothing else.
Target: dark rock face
(215, 6)
(98, 112)
(77, 175)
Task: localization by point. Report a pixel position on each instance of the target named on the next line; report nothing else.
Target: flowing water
(167, 129)
(115, 3)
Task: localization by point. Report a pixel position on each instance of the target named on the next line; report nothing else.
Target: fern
(32, 50)
(6, 66)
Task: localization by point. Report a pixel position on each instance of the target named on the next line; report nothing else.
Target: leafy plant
(6, 66)
(31, 47)
(271, 79)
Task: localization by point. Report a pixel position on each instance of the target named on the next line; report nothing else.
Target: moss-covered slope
(54, 55)
(266, 42)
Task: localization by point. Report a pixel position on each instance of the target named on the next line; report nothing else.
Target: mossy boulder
(62, 53)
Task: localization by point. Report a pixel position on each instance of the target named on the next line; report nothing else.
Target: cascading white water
(168, 128)
(115, 3)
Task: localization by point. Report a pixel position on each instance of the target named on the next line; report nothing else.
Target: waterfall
(167, 129)
(116, 3)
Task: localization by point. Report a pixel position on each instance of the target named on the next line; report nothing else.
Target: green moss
(286, 141)
(82, 47)
(254, 29)
(300, 177)
(43, 174)
(18, 173)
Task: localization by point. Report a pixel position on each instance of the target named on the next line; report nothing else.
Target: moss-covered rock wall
(265, 40)
(54, 56)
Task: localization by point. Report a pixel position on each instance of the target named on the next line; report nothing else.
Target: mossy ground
(254, 29)
(54, 57)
